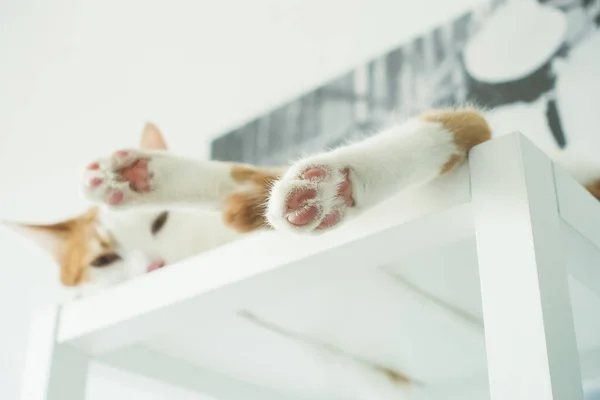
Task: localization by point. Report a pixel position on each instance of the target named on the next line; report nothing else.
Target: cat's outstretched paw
(312, 196)
(123, 179)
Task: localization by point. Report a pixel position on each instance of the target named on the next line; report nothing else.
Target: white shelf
(397, 287)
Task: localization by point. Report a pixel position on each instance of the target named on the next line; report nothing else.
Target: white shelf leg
(530, 337)
(52, 371)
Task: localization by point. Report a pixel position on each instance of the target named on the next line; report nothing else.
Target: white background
(78, 78)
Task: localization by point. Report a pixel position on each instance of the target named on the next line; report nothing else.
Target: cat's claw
(311, 197)
(120, 179)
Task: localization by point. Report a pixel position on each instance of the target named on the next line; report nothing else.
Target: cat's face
(100, 248)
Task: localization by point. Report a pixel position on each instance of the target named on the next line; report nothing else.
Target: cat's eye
(105, 260)
(159, 222)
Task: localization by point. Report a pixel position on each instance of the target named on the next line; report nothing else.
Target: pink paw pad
(115, 198)
(297, 200)
(137, 175)
(315, 173)
(119, 179)
(95, 182)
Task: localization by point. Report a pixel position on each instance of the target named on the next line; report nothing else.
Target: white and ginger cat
(314, 194)
(104, 246)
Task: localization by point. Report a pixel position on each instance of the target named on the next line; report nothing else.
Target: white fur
(405, 155)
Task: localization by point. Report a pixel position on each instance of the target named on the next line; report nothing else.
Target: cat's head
(100, 248)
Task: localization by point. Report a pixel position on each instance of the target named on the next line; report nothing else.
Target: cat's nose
(156, 265)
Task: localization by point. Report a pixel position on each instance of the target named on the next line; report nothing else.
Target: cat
(100, 248)
(311, 196)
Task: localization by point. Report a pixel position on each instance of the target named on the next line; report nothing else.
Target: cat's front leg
(319, 192)
(133, 178)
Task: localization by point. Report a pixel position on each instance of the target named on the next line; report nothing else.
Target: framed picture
(534, 66)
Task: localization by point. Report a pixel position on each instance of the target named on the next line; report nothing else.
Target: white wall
(78, 78)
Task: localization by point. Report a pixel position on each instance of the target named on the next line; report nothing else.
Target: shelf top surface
(263, 266)
(446, 198)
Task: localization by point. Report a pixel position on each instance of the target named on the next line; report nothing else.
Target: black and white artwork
(534, 65)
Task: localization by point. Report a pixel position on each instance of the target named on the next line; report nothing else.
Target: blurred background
(260, 81)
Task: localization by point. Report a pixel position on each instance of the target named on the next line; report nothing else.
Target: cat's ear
(49, 237)
(152, 138)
